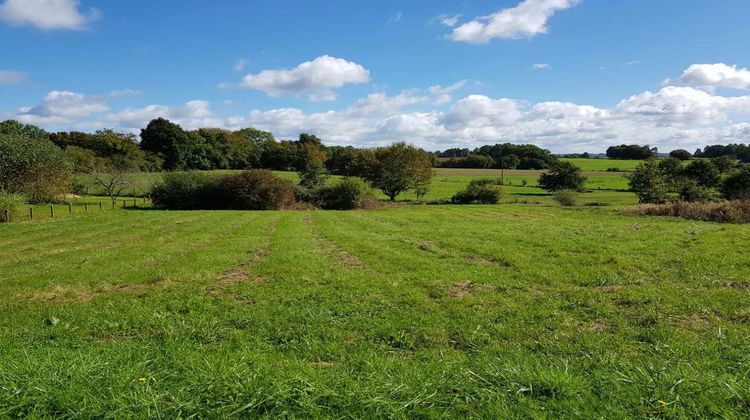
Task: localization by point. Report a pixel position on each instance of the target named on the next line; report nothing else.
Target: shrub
(680, 154)
(483, 190)
(702, 171)
(693, 192)
(185, 191)
(9, 203)
(562, 176)
(567, 198)
(350, 193)
(737, 185)
(256, 189)
(723, 212)
(532, 163)
(649, 182)
(34, 167)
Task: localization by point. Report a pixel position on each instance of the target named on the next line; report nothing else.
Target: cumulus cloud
(318, 78)
(716, 75)
(193, 114)
(10, 77)
(47, 14)
(541, 66)
(526, 20)
(61, 107)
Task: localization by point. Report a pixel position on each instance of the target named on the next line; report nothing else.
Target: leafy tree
(724, 163)
(702, 172)
(562, 176)
(649, 182)
(737, 185)
(341, 160)
(14, 127)
(165, 138)
(83, 160)
(482, 190)
(680, 154)
(472, 161)
(33, 166)
(631, 152)
(398, 168)
(532, 163)
(508, 162)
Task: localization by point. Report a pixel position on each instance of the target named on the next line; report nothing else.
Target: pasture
(406, 311)
(602, 164)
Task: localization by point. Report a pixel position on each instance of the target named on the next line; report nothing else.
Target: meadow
(405, 311)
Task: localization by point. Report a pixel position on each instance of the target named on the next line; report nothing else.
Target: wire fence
(69, 209)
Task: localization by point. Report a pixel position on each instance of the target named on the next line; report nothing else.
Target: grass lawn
(511, 310)
(602, 164)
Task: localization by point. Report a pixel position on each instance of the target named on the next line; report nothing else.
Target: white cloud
(193, 114)
(716, 75)
(318, 78)
(526, 20)
(396, 18)
(241, 64)
(62, 107)
(10, 77)
(47, 14)
(541, 66)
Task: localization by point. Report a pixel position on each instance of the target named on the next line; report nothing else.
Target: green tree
(649, 182)
(398, 168)
(703, 172)
(562, 176)
(25, 130)
(737, 185)
(165, 138)
(34, 167)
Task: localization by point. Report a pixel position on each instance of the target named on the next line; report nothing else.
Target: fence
(69, 209)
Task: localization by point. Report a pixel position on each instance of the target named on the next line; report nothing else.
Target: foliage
(735, 151)
(13, 127)
(112, 181)
(9, 203)
(567, 198)
(649, 182)
(166, 139)
(737, 185)
(631, 152)
(350, 193)
(680, 154)
(472, 161)
(398, 168)
(693, 192)
(34, 167)
(482, 190)
(185, 191)
(703, 172)
(255, 189)
(562, 176)
(724, 163)
(532, 163)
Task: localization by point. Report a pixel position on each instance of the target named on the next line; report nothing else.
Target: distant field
(415, 311)
(604, 164)
(447, 181)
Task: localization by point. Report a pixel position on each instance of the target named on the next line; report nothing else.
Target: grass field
(603, 164)
(411, 311)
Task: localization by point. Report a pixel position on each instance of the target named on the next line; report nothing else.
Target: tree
(33, 166)
(562, 176)
(649, 182)
(737, 185)
(631, 152)
(702, 172)
(724, 163)
(680, 154)
(165, 138)
(113, 181)
(398, 168)
(25, 130)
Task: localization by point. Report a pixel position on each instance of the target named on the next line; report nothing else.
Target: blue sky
(569, 75)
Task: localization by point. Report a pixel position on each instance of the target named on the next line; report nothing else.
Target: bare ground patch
(467, 288)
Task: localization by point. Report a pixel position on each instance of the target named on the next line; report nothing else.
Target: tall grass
(722, 212)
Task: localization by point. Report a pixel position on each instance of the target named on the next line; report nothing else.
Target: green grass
(602, 164)
(498, 311)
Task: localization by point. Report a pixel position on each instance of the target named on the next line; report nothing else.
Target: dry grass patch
(467, 288)
(723, 212)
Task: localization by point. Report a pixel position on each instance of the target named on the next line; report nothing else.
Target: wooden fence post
(31, 213)
(7, 216)
(134, 203)
(100, 206)
(51, 211)
(85, 207)
(123, 204)
(70, 209)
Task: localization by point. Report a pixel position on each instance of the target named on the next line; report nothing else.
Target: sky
(567, 75)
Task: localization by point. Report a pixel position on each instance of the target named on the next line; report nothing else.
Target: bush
(649, 182)
(248, 190)
(185, 191)
(680, 154)
(562, 176)
(532, 163)
(256, 189)
(724, 212)
(33, 167)
(567, 198)
(9, 203)
(704, 172)
(693, 192)
(737, 185)
(350, 193)
(483, 190)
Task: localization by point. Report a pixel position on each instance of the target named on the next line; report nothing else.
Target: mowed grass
(497, 311)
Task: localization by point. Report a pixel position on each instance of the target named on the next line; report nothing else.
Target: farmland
(515, 309)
